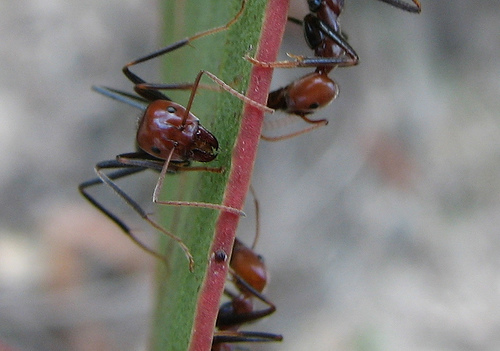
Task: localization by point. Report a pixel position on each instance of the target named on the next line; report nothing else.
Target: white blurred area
(380, 230)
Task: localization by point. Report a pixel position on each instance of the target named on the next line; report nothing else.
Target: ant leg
(321, 26)
(139, 159)
(226, 88)
(257, 217)
(122, 96)
(350, 58)
(312, 121)
(108, 180)
(230, 318)
(228, 336)
(281, 122)
(295, 20)
(118, 221)
(142, 159)
(317, 124)
(176, 168)
(139, 102)
(159, 186)
(302, 61)
(405, 6)
(154, 94)
(196, 84)
(244, 317)
(174, 86)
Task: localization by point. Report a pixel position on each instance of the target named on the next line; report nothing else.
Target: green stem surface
(187, 303)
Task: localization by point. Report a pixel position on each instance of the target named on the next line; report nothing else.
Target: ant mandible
(331, 49)
(250, 277)
(169, 136)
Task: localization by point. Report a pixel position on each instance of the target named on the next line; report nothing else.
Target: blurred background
(381, 230)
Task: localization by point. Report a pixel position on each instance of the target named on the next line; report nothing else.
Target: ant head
(248, 266)
(309, 93)
(164, 127)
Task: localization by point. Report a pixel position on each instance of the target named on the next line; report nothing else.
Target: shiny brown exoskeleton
(304, 95)
(323, 35)
(315, 90)
(163, 128)
(250, 277)
(169, 137)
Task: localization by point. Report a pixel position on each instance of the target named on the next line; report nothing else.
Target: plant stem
(187, 303)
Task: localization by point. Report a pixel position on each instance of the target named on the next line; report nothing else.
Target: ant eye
(314, 106)
(171, 109)
(155, 150)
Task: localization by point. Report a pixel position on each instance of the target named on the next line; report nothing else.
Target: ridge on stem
(187, 303)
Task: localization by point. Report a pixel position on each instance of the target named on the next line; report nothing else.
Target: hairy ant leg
(416, 8)
(108, 180)
(152, 94)
(317, 124)
(222, 338)
(322, 34)
(312, 91)
(331, 49)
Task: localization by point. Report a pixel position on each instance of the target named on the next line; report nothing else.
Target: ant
(168, 137)
(250, 277)
(314, 90)
(331, 49)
